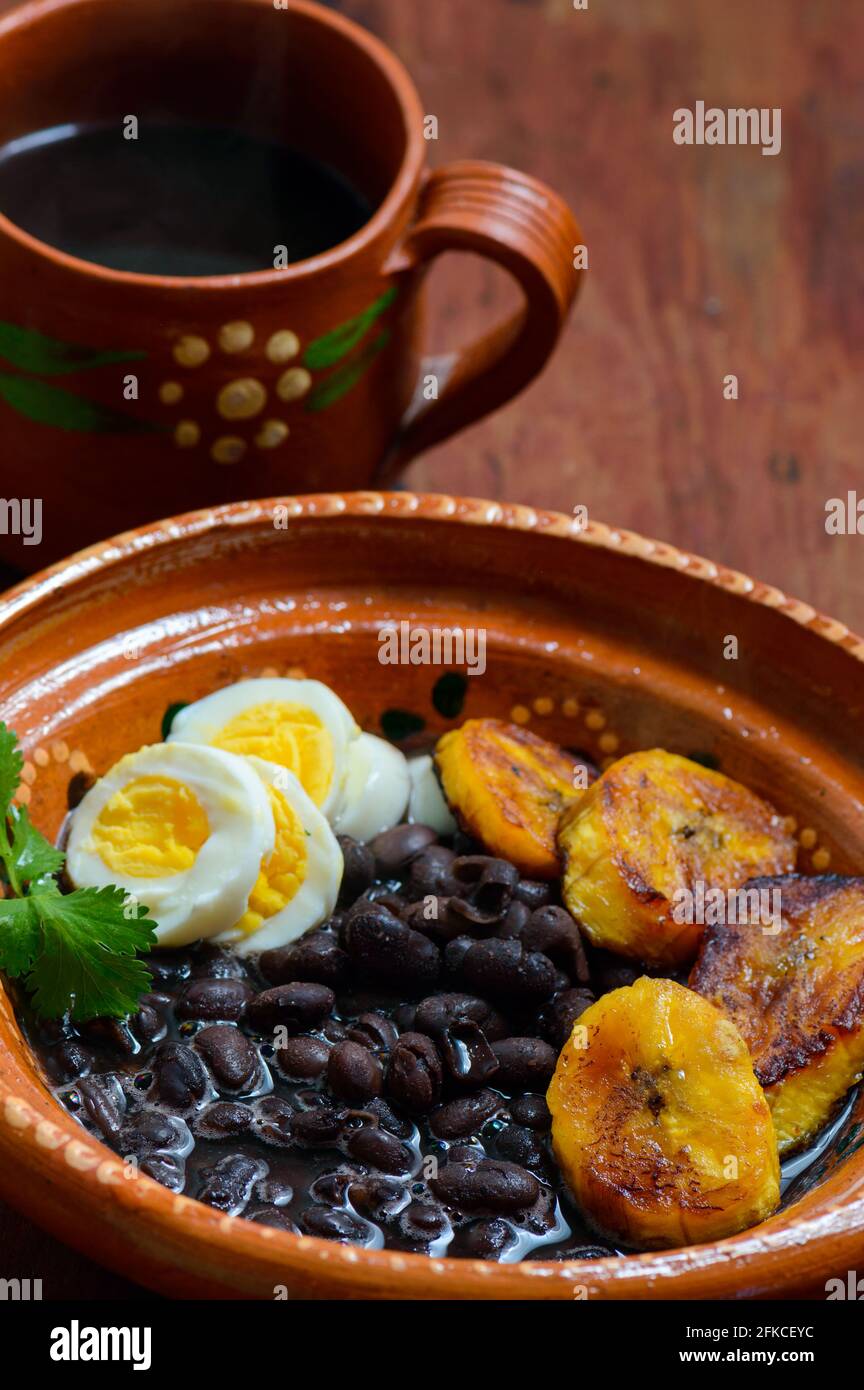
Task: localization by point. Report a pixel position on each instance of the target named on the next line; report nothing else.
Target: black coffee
(179, 200)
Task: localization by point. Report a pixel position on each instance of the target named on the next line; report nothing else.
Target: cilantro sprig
(75, 951)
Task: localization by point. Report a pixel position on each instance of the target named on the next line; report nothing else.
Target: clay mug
(125, 397)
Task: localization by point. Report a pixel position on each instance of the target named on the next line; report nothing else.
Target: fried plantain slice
(507, 788)
(796, 996)
(653, 829)
(658, 1122)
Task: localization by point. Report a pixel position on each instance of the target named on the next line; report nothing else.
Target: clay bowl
(603, 640)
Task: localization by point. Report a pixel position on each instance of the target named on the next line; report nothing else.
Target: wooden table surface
(704, 261)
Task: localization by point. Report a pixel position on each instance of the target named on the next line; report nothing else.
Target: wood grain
(703, 262)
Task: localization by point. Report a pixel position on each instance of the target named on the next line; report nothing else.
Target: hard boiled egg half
(301, 725)
(183, 829)
(297, 885)
(215, 845)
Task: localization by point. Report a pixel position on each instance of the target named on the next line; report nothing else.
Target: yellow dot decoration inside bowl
(228, 449)
(237, 336)
(271, 434)
(187, 434)
(293, 384)
(282, 346)
(241, 399)
(170, 392)
(191, 351)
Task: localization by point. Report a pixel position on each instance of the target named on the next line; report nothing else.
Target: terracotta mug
(125, 397)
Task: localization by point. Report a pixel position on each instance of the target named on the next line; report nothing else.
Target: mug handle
(528, 229)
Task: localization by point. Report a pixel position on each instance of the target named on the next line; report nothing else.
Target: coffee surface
(182, 200)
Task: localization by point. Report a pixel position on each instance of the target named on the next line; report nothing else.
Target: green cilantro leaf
(11, 763)
(90, 940)
(34, 856)
(76, 951)
(20, 935)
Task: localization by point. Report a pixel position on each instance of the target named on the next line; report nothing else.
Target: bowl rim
(755, 1261)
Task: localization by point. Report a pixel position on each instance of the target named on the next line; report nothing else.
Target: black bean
(332, 1224)
(150, 1130)
(274, 1121)
(467, 1115)
(553, 931)
(491, 883)
(403, 1017)
(486, 1240)
(383, 949)
(379, 1149)
(467, 916)
(353, 1072)
(333, 1030)
(359, 871)
(166, 1169)
(112, 1033)
(303, 1059)
(78, 787)
(394, 849)
(492, 1185)
(228, 1184)
(374, 1031)
(332, 1188)
(468, 1054)
(531, 1111)
(179, 1075)
(147, 1024)
(610, 972)
(273, 1216)
(168, 967)
(318, 1128)
(317, 957)
(514, 921)
(70, 1059)
(504, 970)
(432, 917)
(423, 1222)
(429, 874)
(296, 1007)
(540, 1217)
(387, 1117)
(455, 953)
(556, 1019)
(534, 894)
(439, 1012)
(520, 1145)
(524, 1064)
(212, 999)
(223, 1119)
(414, 1075)
(213, 962)
(229, 1054)
(375, 1197)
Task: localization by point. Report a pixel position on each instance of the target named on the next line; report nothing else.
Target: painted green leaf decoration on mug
(327, 351)
(51, 405)
(30, 351)
(339, 382)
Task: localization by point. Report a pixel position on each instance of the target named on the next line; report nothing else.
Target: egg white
(208, 897)
(316, 897)
(375, 792)
(203, 721)
(426, 804)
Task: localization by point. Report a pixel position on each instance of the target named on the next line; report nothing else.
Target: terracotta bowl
(601, 639)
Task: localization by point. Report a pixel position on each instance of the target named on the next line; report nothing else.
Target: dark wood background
(704, 261)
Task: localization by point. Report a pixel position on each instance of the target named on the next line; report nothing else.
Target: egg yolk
(283, 873)
(152, 828)
(287, 734)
